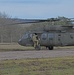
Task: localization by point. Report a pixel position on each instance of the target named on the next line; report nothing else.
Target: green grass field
(48, 66)
(17, 47)
(13, 47)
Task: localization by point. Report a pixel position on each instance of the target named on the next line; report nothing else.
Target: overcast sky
(37, 8)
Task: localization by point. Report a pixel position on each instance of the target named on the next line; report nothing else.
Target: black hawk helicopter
(55, 35)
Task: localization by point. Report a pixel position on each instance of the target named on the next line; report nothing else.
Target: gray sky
(37, 8)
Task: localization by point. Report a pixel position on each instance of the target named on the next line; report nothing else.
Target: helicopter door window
(50, 36)
(44, 36)
(71, 35)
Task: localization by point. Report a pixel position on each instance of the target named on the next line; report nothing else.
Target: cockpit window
(30, 35)
(25, 36)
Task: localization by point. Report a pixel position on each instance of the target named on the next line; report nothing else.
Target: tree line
(13, 32)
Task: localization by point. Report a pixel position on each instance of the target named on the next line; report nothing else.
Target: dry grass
(48, 66)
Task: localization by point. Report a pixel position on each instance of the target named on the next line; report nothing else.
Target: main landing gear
(50, 47)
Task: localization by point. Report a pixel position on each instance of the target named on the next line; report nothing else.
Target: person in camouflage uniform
(35, 40)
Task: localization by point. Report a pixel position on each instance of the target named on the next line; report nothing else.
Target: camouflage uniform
(35, 40)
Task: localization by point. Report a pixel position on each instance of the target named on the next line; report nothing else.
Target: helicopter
(55, 35)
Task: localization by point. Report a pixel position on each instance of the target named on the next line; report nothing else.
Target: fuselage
(49, 39)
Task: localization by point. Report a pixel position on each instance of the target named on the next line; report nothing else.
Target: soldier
(35, 41)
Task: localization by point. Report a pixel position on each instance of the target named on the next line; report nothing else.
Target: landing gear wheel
(50, 47)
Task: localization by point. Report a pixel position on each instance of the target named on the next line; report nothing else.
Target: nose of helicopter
(20, 42)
